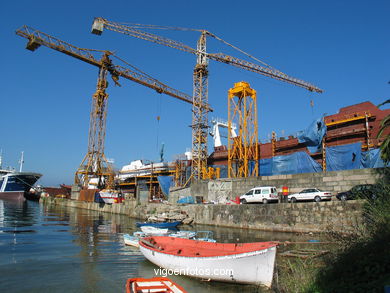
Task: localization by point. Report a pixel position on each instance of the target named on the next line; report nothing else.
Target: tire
(343, 197)
(317, 199)
(243, 201)
(265, 201)
(293, 199)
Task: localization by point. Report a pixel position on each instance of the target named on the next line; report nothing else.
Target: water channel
(47, 248)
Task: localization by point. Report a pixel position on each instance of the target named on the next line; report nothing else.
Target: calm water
(59, 249)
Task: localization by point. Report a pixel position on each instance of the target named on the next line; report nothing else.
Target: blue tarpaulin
(372, 159)
(165, 183)
(312, 136)
(187, 199)
(344, 157)
(299, 162)
(266, 167)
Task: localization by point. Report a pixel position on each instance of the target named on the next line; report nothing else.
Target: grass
(295, 275)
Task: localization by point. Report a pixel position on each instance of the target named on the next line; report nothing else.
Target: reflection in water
(59, 249)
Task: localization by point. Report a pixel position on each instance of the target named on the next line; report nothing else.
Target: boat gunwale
(144, 242)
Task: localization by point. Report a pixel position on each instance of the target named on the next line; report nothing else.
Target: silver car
(310, 194)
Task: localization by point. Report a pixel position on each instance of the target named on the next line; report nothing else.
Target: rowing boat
(247, 263)
(150, 230)
(157, 285)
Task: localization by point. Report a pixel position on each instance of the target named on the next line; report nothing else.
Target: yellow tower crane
(95, 165)
(200, 77)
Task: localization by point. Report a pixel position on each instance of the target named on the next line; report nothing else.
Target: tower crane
(200, 77)
(94, 164)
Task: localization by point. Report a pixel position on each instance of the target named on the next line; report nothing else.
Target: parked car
(263, 194)
(359, 191)
(310, 194)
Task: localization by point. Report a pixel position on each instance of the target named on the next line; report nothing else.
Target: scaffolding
(243, 150)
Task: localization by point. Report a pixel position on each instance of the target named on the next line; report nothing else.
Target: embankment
(286, 217)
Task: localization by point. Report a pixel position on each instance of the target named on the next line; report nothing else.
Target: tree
(385, 146)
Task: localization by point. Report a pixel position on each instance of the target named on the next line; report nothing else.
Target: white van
(260, 194)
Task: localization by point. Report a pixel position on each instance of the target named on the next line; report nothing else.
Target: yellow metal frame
(242, 110)
(349, 119)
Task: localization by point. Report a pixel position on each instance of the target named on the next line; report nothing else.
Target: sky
(340, 46)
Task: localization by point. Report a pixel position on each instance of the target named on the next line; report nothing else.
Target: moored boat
(156, 285)
(110, 196)
(150, 230)
(133, 240)
(247, 263)
(184, 234)
(15, 185)
(159, 224)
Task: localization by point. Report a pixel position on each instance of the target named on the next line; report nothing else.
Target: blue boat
(159, 224)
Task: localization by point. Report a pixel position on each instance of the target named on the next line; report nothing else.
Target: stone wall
(298, 217)
(335, 181)
(286, 217)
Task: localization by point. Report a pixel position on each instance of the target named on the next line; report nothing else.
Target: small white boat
(131, 240)
(150, 230)
(247, 263)
(156, 285)
(184, 234)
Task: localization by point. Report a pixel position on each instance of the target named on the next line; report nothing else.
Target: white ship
(16, 185)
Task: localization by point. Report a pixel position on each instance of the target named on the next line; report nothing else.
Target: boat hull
(254, 267)
(160, 224)
(13, 195)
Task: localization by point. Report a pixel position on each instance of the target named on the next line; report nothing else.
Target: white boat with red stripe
(247, 263)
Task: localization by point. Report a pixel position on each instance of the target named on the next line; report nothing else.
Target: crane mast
(95, 164)
(199, 113)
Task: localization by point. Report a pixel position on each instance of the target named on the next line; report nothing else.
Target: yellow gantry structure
(243, 150)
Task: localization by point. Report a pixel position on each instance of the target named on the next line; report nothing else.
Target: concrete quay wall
(284, 217)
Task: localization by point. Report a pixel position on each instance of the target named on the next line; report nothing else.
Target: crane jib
(36, 39)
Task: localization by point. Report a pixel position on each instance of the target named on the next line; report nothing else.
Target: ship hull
(13, 195)
(15, 185)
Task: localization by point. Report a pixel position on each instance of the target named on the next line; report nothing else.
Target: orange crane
(94, 164)
(200, 77)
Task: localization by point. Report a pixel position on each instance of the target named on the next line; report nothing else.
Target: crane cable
(161, 27)
(151, 26)
(137, 69)
(158, 121)
(241, 51)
